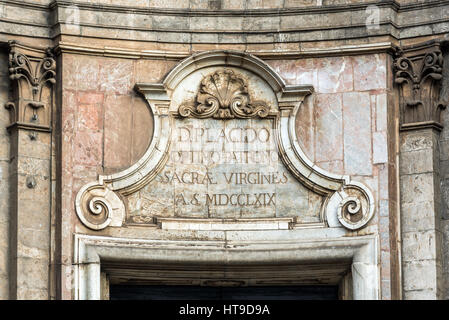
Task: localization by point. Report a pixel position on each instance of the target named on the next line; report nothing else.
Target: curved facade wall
(354, 94)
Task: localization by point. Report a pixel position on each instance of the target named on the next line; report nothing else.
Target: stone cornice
(278, 11)
(232, 12)
(287, 25)
(383, 47)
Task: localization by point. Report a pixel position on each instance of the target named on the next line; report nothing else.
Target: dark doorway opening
(172, 292)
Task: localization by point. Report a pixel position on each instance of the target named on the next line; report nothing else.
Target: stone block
(384, 239)
(427, 294)
(305, 130)
(81, 72)
(117, 76)
(286, 69)
(298, 22)
(118, 131)
(31, 166)
(380, 147)
(419, 246)
(370, 72)
(307, 72)
(26, 145)
(152, 70)
(335, 166)
(32, 274)
(234, 4)
(444, 150)
(264, 4)
(335, 74)
(357, 133)
(384, 208)
(142, 124)
(33, 214)
(298, 3)
(204, 38)
(386, 289)
(385, 265)
(199, 4)
(413, 278)
(384, 225)
(445, 198)
(4, 145)
(384, 185)
(88, 148)
(178, 4)
(381, 112)
(417, 188)
(90, 117)
(171, 22)
(260, 23)
(416, 162)
(4, 287)
(417, 140)
(328, 127)
(206, 23)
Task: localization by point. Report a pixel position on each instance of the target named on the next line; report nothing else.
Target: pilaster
(32, 75)
(418, 75)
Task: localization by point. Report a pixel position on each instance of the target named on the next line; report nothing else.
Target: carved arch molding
(219, 90)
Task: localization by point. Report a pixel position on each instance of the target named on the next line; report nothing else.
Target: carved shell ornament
(223, 95)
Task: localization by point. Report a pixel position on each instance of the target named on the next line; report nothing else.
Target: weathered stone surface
(81, 73)
(335, 75)
(357, 133)
(4, 180)
(328, 127)
(219, 185)
(380, 152)
(369, 73)
(413, 276)
(118, 124)
(419, 246)
(415, 188)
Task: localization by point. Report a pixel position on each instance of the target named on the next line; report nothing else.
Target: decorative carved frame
(344, 197)
(321, 245)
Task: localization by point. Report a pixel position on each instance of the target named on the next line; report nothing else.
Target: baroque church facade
(224, 145)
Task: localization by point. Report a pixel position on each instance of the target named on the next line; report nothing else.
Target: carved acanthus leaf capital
(33, 75)
(418, 75)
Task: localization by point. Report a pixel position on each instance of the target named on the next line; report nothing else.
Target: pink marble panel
(335, 74)
(88, 148)
(328, 127)
(116, 76)
(117, 131)
(370, 72)
(357, 133)
(81, 72)
(305, 127)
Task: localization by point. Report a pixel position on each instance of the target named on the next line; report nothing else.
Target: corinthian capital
(418, 73)
(32, 73)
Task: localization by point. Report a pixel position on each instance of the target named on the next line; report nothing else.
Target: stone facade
(98, 177)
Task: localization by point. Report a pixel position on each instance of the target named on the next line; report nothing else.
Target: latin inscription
(205, 146)
(223, 169)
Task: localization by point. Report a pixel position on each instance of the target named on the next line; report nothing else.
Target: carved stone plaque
(224, 148)
(224, 169)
